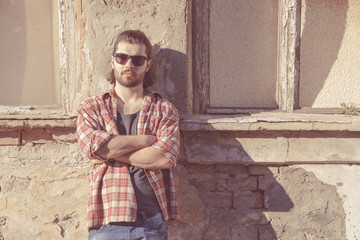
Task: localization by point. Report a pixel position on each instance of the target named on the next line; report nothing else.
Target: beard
(128, 78)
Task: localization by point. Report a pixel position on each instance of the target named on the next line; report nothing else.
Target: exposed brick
(220, 182)
(9, 138)
(244, 232)
(233, 170)
(265, 182)
(248, 199)
(237, 183)
(217, 199)
(266, 232)
(64, 135)
(37, 136)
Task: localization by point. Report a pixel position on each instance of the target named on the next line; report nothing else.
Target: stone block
(244, 232)
(265, 182)
(217, 199)
(331, 149)
(219, 182)
(233, 223)
(233, 170)
(44, 154)
(234, 148)
(190, 205)
(37, 136)
(69, 137)
(248, 199)
(239, 183)
(209, 182)
(9, 138)
(266, 232)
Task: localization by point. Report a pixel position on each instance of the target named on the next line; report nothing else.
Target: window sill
(272, 121)
(30, 117)
(272, 138)
(24, 122)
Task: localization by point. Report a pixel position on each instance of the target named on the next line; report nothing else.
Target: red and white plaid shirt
(112, 196)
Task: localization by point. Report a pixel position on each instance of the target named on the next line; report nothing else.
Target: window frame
(70, 73)
(288, 59)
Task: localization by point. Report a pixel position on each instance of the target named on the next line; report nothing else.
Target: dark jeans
(153, 228)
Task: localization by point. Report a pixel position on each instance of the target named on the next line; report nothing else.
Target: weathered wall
(44, 194)
(284, 176)
(329, 64)
(163, 21)
(43, 184)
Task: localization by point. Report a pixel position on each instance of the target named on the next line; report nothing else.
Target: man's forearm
(122, 144)
(147, 158)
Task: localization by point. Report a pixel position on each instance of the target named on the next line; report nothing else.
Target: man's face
(128, 74)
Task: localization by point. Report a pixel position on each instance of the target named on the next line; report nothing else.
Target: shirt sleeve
(168, 134)
(90, 134)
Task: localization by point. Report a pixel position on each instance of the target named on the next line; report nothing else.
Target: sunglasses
(122, 59)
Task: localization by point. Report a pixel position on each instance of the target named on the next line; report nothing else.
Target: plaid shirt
(112, 196)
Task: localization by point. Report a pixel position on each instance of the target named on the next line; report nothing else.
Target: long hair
(135, 37)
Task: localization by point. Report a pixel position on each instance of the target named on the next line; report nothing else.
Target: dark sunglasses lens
(122, 58)
(138, 60)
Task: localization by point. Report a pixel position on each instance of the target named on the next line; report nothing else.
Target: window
(29, 67)
(243, 44)
(255, 55)
(39, 58)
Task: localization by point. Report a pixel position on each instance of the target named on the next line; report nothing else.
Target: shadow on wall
(172, 76)
(13, 51)
(224, 194)
(220, 198)
(217, 200)
(323, 32)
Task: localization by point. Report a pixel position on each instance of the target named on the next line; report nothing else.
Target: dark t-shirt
(145, 196)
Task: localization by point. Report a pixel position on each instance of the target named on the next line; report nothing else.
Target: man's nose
(129, 63)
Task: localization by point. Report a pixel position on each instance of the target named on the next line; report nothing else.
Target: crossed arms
(135, 150)
(98, 138)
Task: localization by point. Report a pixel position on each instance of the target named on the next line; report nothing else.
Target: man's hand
(122, 144)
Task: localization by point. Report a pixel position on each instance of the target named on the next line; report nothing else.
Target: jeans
(154, 228)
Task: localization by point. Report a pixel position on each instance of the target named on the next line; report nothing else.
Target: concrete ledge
(23, 122)
(268, 148)
(272, 138)
(272, 121)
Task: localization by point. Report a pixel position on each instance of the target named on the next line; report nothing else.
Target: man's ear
(112, 62)
(148, 65)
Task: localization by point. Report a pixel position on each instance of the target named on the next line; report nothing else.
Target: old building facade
(267, 91)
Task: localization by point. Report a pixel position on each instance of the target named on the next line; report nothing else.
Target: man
(131, 135)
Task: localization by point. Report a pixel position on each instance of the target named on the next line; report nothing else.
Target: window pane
(29, 66)
(243, 53)
(330, 59)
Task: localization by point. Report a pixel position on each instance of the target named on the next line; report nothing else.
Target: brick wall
(44, 187)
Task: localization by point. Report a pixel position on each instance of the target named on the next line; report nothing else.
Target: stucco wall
(329, 62)
(163, 21)
(271, 176)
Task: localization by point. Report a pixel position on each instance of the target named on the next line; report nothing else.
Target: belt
(141, 217)
(124, 224)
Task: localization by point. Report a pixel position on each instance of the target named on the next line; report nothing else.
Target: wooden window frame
(288, 57)
(69, 62)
